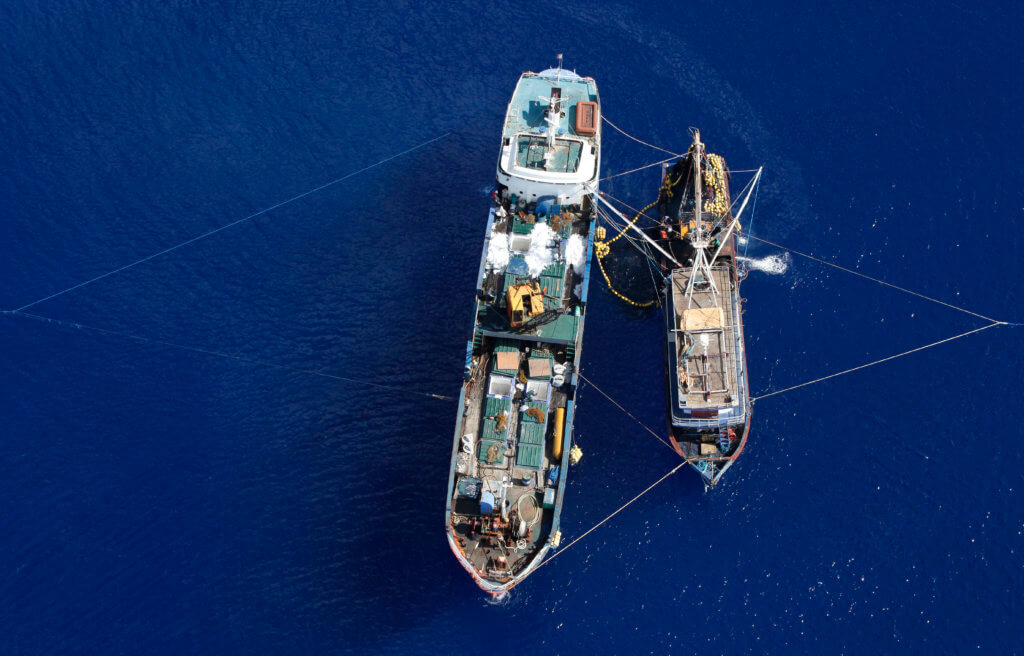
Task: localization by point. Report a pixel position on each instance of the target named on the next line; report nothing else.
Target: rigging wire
(220, 354)
(645, 166)
(628, 206)
(891, 357)
(993, 322)
(753, 214)
(233, 223)
(601, 250)
(640, 141)
(639, 245)
(862, 275)
(837, 266)
(606, 519)
(644, 250)
(743, 192)
(650, 270)
(628, 413)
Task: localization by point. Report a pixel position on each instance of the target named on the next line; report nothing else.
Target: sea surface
(259, 495)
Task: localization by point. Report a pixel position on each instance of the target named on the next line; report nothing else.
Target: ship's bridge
(532, 155)
(551, 139)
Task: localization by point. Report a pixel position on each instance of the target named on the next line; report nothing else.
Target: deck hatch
(530, 455)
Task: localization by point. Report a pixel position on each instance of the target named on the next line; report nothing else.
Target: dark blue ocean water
(160, 501)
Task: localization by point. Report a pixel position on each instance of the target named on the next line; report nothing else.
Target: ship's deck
(558, 280)
(520, 380)
(511, 452)
(704, 341)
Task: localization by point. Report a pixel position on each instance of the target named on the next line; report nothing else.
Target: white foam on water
(497, 251)
(774, 265)
(542, 249)
(575, 249)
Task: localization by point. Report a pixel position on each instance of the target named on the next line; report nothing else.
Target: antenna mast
(701, 266)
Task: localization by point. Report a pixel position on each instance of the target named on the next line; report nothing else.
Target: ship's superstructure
(513, 433)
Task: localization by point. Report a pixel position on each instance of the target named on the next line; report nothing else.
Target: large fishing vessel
(707, 393)
(513, 433)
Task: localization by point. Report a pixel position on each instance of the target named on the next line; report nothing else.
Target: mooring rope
(628, 413)
(642, 247)
(220, 354)
(598, 525)
(993, 322)
(641, 168)
(640, 141)
(753, 215)
(233, 223)
(629, 207)
(867, 277)
(891, 357)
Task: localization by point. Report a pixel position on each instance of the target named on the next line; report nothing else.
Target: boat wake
(503, 599)
(774, 265)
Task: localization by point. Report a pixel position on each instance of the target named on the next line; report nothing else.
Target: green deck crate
(483, 456)
(495, 404)
(562, 329)
(531, 434)
(491, 431)
(520, 227)
(551, 365)
(504, 346)
(527, 419)
(556, 269)
(530, 455)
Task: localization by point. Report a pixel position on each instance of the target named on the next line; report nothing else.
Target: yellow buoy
(556, 448)
(575, 454)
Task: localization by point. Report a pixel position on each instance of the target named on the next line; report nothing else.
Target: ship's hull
(514, 424)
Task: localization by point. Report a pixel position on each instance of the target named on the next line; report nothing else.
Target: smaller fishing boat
(707, 393)
(694, 242)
